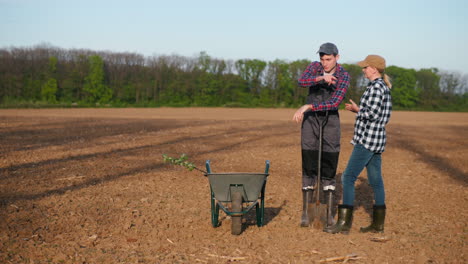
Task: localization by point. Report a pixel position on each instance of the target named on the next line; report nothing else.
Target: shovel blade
(318, 215)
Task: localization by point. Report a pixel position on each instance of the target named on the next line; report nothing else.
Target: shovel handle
(321, 124)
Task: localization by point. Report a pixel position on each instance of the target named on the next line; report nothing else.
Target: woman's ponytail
(386, 79)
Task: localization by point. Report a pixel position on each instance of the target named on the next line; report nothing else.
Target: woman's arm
(373, 102)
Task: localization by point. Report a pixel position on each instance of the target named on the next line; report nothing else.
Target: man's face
(329, 62)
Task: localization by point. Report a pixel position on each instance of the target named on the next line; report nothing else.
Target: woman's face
(369, 72)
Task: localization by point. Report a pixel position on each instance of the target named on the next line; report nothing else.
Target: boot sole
(371, 231)
(339, 232)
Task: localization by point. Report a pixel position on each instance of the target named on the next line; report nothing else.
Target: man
(327, 82)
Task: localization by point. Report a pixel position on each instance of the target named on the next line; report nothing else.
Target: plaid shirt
(309, 78)
(374, 113)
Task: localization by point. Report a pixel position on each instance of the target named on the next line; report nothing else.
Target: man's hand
(329, 79)
(352, 107)
(299, 115)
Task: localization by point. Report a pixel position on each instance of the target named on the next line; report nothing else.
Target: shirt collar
(337, 69)
(375, 80)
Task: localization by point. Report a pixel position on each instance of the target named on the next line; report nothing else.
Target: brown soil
(90, 186)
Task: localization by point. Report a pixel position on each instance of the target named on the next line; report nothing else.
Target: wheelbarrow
(242, 191)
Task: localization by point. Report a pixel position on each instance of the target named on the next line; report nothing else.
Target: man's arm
(337, 96)
(310, 76)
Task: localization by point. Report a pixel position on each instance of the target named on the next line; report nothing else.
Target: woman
(369, 139)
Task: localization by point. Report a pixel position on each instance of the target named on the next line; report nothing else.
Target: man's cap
(328, 48)
(375, 61)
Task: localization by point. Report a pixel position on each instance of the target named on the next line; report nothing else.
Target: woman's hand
(352, 107)
(299, 115)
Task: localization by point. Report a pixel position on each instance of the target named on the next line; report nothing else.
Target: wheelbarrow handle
(267, 166)
(208, 167)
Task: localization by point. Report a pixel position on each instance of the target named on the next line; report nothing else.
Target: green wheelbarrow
(242, 191)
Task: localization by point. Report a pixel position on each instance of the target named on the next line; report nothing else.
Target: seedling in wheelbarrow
(182, 161)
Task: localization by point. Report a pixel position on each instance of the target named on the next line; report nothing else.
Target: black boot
(345, 220)
(378, 219)
(306, 200)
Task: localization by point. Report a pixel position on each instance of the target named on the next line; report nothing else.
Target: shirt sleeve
(371, 108)
(337, 96)
(310, 75)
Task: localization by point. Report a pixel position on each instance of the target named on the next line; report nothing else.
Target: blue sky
(411, 34)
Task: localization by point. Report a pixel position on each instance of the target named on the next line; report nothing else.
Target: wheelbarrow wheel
(236, 220)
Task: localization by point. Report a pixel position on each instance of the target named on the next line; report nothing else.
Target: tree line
(63, 77)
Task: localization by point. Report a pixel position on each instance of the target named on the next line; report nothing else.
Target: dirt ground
(90, 186)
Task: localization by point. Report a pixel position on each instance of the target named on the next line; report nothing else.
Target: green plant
(182, 161)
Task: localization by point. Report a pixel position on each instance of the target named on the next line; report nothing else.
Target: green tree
(428, 82)
(204, 61)
(404, 92)
(357, 82)
(206, 81)
(449, 83)
(251, 71)
(49, 88)
(236, 91)
(94, 85)
(280, 80)
(74, 74)
(297, 68)
(48, 91)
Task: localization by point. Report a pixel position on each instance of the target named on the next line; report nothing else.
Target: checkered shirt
(309, 78)
(374, 113)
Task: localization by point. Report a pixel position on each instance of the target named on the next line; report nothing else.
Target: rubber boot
(378, 219)
(345, 220)
(306, 200)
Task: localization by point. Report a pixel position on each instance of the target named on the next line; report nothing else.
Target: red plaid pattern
(309, 78)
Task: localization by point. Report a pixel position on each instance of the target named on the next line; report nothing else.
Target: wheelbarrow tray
(249, 184)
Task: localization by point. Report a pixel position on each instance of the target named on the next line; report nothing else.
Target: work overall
(310, 141)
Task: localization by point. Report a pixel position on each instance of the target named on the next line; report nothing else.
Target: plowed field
(90, 186)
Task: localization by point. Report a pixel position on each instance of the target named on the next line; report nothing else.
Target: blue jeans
(360, 158)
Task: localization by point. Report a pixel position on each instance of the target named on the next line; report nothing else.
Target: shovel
(318, 211)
